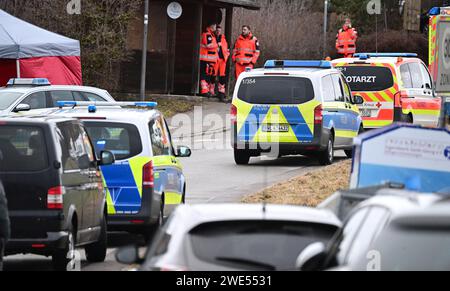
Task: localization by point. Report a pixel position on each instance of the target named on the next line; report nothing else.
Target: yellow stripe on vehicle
(172, 198)
(137, 164)
(109, 201)
(346, 133)
(376, 123)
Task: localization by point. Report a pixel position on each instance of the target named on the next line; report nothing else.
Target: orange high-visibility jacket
(223, 47)
(246, 50)
(346, 41)
(209, 49)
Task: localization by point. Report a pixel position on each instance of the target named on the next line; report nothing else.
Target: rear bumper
(43, 246)
(318, 143)
(140, 222)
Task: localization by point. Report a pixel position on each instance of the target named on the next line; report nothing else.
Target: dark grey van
(54, 189)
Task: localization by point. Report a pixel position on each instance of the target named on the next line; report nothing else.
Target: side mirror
(184, 152)
(128, 255)
(22, 107)
(358, 100)
(107, 158)
(312, 258)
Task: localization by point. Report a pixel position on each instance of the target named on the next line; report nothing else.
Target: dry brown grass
(308, 190)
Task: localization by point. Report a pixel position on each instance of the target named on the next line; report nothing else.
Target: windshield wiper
(247, 262)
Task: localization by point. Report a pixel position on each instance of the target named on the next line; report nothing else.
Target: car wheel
(241, 157)
(326, 157)
(64, 259)
(408, 119)
(151, 231)
(96, 252)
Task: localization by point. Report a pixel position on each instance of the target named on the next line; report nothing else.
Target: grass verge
(308, 190)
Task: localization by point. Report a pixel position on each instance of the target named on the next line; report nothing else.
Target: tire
(241, 158)
(407, 119)
(349, 154)
(63, 257)
(96, 252)
(326, 157)
(151, 231)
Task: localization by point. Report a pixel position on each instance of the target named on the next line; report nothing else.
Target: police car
(21, 95)
(146, 182)
(395, 87)
(294, 107)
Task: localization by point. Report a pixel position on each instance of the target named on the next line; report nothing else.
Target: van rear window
(123, 140)
(276, 90)
(368, 78)
(22, 149)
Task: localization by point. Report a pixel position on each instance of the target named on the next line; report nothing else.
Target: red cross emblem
(379, 105)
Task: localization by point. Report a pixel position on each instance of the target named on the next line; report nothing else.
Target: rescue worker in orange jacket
(209, 55)
(346, 40)
(246, 51)
(221, 65)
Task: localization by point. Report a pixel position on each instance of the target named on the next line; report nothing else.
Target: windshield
(412, 249)
(258, 245)
(8, 98)
(368, 78)
(276, 90)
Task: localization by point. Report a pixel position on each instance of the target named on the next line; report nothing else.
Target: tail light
(398, 98)
(148, 177)
(318, 115)
(233, 113)
(55, 197)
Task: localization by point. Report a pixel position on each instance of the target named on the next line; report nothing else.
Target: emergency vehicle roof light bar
(365, 56)
(439, 11)
(275, 64)
(29, 82)
(73, 104)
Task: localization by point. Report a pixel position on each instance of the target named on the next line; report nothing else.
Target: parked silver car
(234, 238)
(28, 94)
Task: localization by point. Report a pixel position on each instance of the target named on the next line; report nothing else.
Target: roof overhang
(249, 4)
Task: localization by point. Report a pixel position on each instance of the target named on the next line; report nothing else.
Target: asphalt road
(212, 177)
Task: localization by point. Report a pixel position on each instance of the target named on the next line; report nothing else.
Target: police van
(396, 87)
(294, 107)
(146, 182)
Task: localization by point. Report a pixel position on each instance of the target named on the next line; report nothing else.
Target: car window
(406, 76)
(22, 149)
(160, 138)
(328, 89)
(349, 232)
(256, 245)
(338, 89)
(416, 75)
(75, 155)
(36, 100)
(276, 90)
(57, 96)
(94, 97)
(368, 78)
(375, 220)
(8, 98)
(78, 96)
(123, 140)
(347, 91)
(428, 83)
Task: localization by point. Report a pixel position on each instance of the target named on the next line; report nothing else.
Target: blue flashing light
(146, 104)
(92, 108)
(62, 104)
(434, 11)
(272, 64)
(365, 56)
(28, 82)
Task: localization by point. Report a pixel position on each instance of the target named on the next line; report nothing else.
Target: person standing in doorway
(221, 65)
(246, 51)
(209, 55)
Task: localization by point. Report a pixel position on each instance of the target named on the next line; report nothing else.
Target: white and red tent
(28, 51)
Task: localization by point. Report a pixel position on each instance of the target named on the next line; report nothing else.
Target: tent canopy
(20, 40)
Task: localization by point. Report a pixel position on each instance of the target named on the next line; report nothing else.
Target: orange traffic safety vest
(223, 47)
(246, 50)
(209, 49)
(346, 42)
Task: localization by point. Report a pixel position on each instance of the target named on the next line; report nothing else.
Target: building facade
(173, 45)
